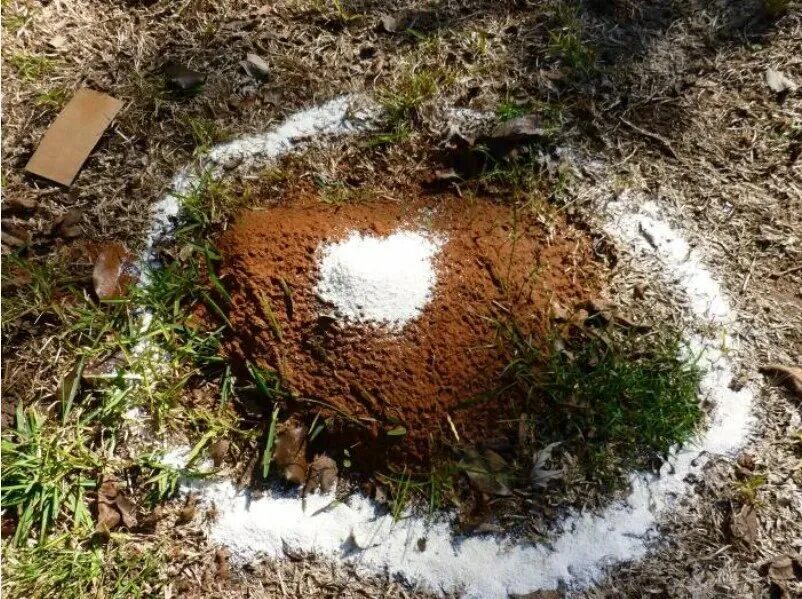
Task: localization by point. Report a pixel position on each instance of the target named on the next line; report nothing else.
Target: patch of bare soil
(437, 379)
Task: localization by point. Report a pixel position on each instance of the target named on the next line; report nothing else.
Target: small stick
(663, 141)
(787, 271)
(287, 297)
(749, 274)
(453, 428)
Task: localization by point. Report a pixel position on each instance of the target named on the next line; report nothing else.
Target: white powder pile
(382, 280)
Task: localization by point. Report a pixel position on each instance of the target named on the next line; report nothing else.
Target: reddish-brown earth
(445, 364)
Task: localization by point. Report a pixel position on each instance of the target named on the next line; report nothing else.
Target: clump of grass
(401, 100)
(67, 569)
(205, 132)
(46, 473)
(31, 67)
(566, 43)
(615, 402)
(206, 206)
(432, 489)
(776, 8)
(55, 98)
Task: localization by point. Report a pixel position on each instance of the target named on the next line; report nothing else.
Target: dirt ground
(667, 101)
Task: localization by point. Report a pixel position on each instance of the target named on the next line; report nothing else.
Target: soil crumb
(400, 395)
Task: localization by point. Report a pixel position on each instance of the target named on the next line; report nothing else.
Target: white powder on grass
(341, 116)
(384, 280)
(482, 566)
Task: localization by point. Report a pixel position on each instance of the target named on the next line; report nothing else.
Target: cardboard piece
(69, 140)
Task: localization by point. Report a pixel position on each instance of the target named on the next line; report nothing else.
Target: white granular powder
(382, 280)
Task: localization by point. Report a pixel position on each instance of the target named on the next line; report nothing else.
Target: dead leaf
(256, 66)
(149, 522)
(746, 461)
(539, 475)
(68, 225)
(187, 513)
(182, 79)
(19, 232)
(322, 475)
(127, 509)
(549, 594)
(790, 376)
(10, 240)
(223, 570)
(521, 130)
(289, 451)
(744, 525)
(486, 471)
(218, 451)
(69, 387)
(112, 272)
(779, 82)
(604, 311)
(19, 204)
(783, 570)
(57, 42)
(389, 23)
(107, 517)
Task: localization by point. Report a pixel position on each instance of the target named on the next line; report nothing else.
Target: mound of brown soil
(437, 377)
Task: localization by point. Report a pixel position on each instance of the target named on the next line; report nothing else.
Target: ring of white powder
(356, 530)
(381, 280)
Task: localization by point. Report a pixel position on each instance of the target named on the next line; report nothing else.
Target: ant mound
(382, 318)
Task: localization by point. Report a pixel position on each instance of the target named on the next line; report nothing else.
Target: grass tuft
(566, 43)
(69, 570)
(401, 100)
(31, 67)
(615, 403)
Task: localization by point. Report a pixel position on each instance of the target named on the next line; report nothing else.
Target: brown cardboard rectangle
(69, 140)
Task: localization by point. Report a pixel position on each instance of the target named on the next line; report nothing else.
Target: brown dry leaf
(521, 130)
(604, 311)
(389, 23)
(19, 204)
(68, 225)
(218, 451)
(289, 451)
(70, 386)
(127, 509)
(10, 240)
(782, 570)
(790, 376)
(550, 594)
(107, 517)
(744, 525)
(322, 475)
(485, 471)
(109, 276)
(149, 522)
(187, 513)
(222, 570)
